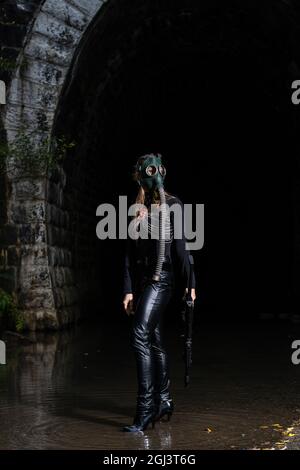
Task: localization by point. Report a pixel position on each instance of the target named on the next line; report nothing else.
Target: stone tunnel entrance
(205, 86)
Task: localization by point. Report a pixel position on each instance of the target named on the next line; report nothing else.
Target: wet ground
(76, 389)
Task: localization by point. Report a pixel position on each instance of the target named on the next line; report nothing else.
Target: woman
(147, 295)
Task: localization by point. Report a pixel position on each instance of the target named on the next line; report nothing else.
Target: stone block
(34, 255)
(30, 234)
(25, 92)
(61, 33)
(44, 72)
(38, 298)
(28, 212)
(34, 277)
(38, 119)
(41, 319)
(67, 13)
(28, 189)
(49, 51)
(90, 7)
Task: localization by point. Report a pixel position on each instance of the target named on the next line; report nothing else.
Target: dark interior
(206, 86)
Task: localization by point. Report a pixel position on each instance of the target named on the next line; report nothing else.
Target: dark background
(209, 88)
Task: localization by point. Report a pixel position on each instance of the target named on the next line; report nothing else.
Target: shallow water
(76, 389)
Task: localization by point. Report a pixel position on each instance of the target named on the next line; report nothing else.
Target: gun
(188, 316)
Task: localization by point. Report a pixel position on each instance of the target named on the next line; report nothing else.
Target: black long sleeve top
(175, 252)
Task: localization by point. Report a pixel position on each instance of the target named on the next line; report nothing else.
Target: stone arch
(34, 91)
(47, 81)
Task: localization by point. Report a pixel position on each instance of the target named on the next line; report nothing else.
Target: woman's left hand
(193, 294)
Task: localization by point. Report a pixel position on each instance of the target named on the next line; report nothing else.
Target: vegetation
(31, 158)
(6, 65)
(10, 315)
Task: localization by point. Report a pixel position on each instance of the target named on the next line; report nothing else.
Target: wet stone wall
(16, 18)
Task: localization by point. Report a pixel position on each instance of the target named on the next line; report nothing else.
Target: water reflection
(76, 390)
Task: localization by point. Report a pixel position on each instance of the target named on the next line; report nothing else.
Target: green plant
(31, 157)
(6, 65)
(10, 315)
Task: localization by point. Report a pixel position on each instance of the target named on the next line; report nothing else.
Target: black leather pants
(147, 341)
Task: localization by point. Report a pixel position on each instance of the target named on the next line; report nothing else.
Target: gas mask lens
(151, 170)
(162, 170)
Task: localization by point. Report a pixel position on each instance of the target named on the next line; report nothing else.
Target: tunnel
(206, 87)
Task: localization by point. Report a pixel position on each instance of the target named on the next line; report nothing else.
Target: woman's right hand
(142, 213)
(128, 304)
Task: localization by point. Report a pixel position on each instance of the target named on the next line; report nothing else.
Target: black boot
(164, 408)
(145, 410)
(163, 402)
(164, 405)
(141, 422)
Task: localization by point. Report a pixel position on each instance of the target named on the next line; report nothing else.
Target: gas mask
(151, 172)
(150, 175)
